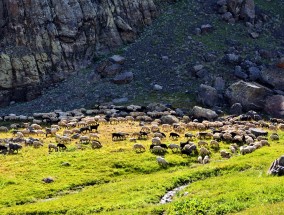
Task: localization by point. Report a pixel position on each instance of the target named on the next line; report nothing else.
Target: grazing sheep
(52, 147)
(94, 127)
(139, 147)
(189, 136)
(259, 138)
(202, 143)
(94, 136)
(160, 135)
(166, 127)
(203, 152)
(200, 160)
(206, 159)
(51, 131)
(214, 144)
(37, 144)
(174, 147)
(179, 129)
(264, 143)
(247, 149)
(274, 136)
(132, 140)
(158, 150)
(225, 154)
(3, 129)
(217, 136)
(3, 149)
(36, 126)
(188, 149)
(174, 135)
(61, 146)
(95, 144)
(155, 128)
(162, 162)
(14, 147)
(145, 129)
(84, 139)
(19, 134)
(119, 136)
(156, 141)
(227, 137)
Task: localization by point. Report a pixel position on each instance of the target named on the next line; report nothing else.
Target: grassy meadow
(116, 180)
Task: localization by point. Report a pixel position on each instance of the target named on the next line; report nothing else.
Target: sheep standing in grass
(139, 147)
(214, 144)
(156, 141)
(200, 160)
(225, 154)
(95, 144)
(206, 159)
(162, 162)
(174, 147)
(204, 152)
(37, 144)
(274, 136)
(52, 147)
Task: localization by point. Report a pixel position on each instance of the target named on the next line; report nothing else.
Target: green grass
(116, 180)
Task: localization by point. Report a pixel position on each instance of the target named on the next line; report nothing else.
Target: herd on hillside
(242, 135)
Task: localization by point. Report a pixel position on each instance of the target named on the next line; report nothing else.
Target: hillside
(169, 53)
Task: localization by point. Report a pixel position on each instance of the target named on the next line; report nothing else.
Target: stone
(232, 58)
(254, 35)
(258, 132)
(120, 100)
(277, 167)
(157, 87)
(197, 31)
(117, 59)
(65, 164)
(207, 95)
(204, 113)
(274, 105)
(247, 10)
(48, 180)
(219, 84)
(236, 109)
(227, 16)
(207, 28)
(254, 73)
(280, 63)
(198, 67)
(111, 70)
(6, 74)
(123, 78)
(273, 76)
(249, 94)
(239, 73)
(169, 119)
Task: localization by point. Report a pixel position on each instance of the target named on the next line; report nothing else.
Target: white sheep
(199, 159)
(139, 147)
(158, 149)
(274, 136)
(204, 152)
(225, 154)
(206, 159)
(3, 129)
(96, 144)
(173, 147)
(202, 143)
(37, 144)
(214, 144)
(156, 140)
(162, 162)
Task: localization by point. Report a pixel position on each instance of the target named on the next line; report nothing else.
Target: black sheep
(61, 146)
(174, 135)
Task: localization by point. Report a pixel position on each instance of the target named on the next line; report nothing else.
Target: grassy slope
(116, 180)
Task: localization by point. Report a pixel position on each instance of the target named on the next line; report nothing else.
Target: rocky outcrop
(274, 77)
(44, 41)
(274, 105)
(249, 94)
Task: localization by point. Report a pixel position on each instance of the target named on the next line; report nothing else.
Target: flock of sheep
(187, 137)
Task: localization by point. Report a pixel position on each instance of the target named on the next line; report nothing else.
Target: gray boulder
(123, 78)
(274, 105)
(236, 109)
(117, 59)
(277, 167)
(199, 112)
(169, 119)
(254, 73)
(258, 132)
(207, 95)
(273, 76)
(249, 94)
(239, 73)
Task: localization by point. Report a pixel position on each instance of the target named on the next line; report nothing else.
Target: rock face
(249, 94)
(274, 77)
(208, 95)
(44, 41)
(277, 167)
(199, 112)
(274, 105)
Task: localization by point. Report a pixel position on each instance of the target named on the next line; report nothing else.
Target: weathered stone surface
(199, 112)
(277, 167)
(44, 41)
(123, 78)
(236, 108)
(169, 119)
(274, 105)
(258, 132)
(249, 94)
(117, 59)
(273, 76)
(207, 95)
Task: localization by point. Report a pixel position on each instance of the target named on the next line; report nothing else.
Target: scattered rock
(198, 67)
(120, 100)
(254, 73)
(239, 73)
(219, 84)
(123, 78)
(199, 112)
(236, 109)
(232, 58)
(277, 167)
(48, 180)
(157, 87)
(258, 132)
(207, 28)
(254, 35)
(273, 76)
(117, 59)
(274, 105)
(111, 70)
(207, 95)
(169, 119)
(249, 94)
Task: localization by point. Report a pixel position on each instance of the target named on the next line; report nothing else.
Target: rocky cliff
(43, 41)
